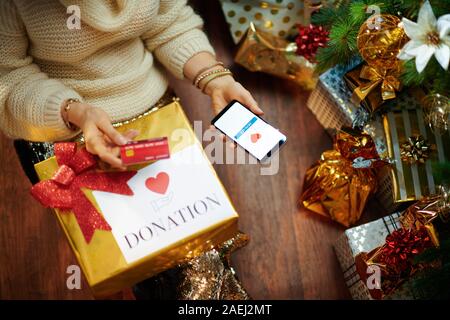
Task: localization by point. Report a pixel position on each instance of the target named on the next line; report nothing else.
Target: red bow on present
(77, 170)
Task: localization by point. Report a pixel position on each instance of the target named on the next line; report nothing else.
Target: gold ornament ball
(437, 112)
(380, 39)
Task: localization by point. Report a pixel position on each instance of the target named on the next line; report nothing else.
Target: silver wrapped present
(365, 238)
(331, 101)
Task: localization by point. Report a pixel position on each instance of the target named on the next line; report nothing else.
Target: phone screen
(249, 131)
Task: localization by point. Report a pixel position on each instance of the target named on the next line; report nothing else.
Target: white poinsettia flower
(427, 37)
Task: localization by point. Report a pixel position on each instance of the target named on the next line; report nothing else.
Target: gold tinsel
(210, 275)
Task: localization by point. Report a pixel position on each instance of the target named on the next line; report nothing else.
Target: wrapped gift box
(331, 101)
(398, 184)
(275, 16)
(365, 238)
(402, 182)
(164, 222)
(353, 80)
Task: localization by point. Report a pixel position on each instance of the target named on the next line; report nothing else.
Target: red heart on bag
(255, 137)
(159, 184)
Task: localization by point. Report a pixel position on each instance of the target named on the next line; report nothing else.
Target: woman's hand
(101, 138)
(225, 89)
(222, 90)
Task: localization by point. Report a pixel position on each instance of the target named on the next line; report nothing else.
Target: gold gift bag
(106, 267)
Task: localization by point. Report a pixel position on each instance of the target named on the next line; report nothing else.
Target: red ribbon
(77, 170)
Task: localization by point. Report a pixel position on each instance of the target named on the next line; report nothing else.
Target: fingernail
(122, 140)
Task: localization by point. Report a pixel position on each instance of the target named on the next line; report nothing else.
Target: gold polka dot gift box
(278, 17)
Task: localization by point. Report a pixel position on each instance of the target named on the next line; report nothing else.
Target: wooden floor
(290, 255)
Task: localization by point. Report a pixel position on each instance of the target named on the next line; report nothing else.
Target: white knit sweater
(108, 63)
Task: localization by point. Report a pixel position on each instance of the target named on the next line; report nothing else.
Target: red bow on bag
(77, 170)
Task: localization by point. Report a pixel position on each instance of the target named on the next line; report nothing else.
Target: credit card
(135, 152)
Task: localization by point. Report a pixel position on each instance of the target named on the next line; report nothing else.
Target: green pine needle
(341, 46)
(345, 21)
(441, 172)
(326, 17)
(434, 78)
(434, 283)
(358, 12)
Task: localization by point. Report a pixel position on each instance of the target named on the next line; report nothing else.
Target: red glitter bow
(402, 245)
(395, 258)
(77, 170)
(309, 39)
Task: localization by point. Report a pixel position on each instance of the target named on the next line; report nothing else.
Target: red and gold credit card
(135, 152)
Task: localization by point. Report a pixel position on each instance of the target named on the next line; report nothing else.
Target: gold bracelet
(203, 76)
(215, 76)
(66, 109)
(220, 63)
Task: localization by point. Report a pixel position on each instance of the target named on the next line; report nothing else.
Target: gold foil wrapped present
(167, 232)
(338, 185)
(261, 51)
(427, 213)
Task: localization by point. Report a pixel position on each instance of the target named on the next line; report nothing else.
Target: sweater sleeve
(29, 100)
(177, 36)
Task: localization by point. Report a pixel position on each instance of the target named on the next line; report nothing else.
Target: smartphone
(249, 131)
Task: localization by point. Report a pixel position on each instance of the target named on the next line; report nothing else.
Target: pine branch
(434, 283)
(327, 16)
(434, 78)
(441, 173)
(440, 7)
(341, 47)
(345, 21)
(410, 76)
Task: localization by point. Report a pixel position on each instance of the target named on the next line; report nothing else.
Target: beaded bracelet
(220, 63)
(215, 76)
(203, 76)
(66, 109)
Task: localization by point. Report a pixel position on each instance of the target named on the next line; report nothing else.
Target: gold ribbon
(387, 78)
(284, 46)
